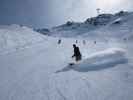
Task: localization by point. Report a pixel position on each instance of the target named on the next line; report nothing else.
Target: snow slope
(99, 61)
(13, 37)
(29, 74)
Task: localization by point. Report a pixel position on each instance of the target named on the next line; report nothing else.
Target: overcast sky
(48, 13)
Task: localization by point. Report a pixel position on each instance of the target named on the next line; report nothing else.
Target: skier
(59, 41)
(125, 39)
(77, 53)
(76, 41)
(95, 42)
(84, 42)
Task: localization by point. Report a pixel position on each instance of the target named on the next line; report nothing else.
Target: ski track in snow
(29, 73)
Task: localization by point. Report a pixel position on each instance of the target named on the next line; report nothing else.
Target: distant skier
(76, 41)
(125, 39)
(84, 42)
(77, 53)
(59, 41)
(95, 42)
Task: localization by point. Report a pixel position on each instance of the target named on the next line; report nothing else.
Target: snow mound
(100, 60)
(13, 37)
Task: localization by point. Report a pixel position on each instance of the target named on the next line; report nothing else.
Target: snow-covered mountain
(105, 25)
(43, 31)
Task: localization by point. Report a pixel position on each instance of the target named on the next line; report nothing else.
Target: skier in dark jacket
(59, 41)
(77, 53)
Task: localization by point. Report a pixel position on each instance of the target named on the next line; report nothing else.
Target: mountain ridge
(109, 23)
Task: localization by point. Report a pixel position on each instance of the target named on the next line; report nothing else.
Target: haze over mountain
(49, 13)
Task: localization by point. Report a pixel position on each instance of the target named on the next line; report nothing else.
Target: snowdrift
(13, 37)
(100, 60)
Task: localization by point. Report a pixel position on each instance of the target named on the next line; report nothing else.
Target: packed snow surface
(14, 37)
(28, 72)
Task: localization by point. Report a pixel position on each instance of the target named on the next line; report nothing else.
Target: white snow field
(28, 72)
(14, 37)
(99, 61)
